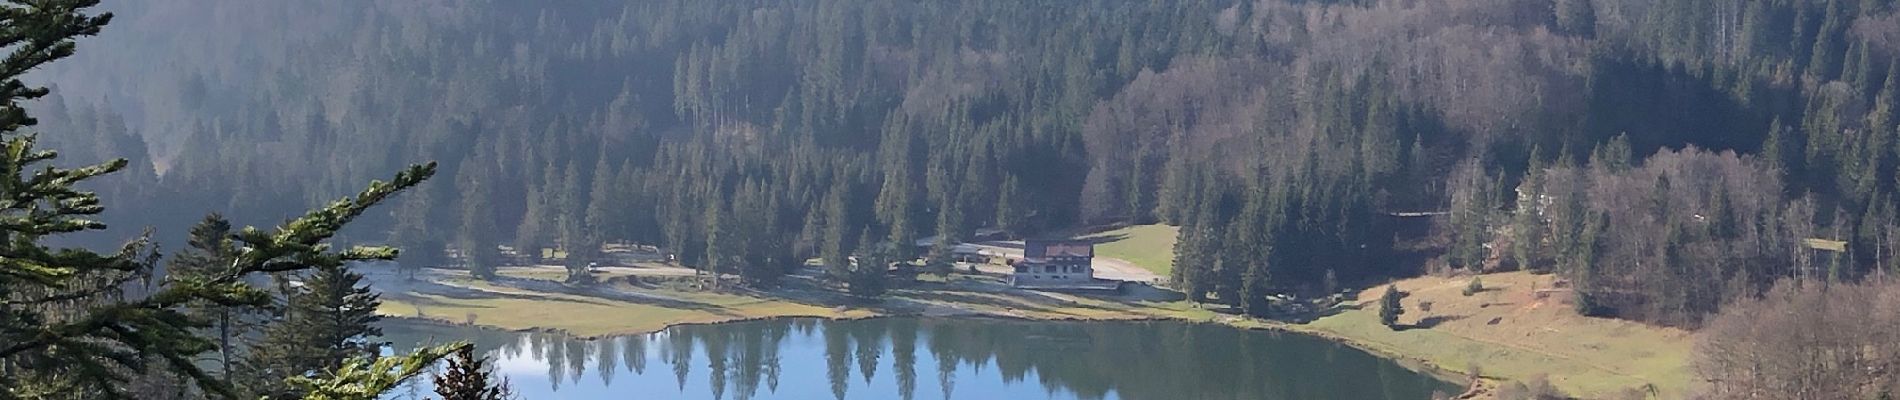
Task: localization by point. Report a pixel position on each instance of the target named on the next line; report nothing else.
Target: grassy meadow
(1150, 247)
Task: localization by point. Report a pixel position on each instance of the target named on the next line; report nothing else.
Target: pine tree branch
(362, 379)
(298, 243)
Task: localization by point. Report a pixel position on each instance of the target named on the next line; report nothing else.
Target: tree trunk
(224, 342)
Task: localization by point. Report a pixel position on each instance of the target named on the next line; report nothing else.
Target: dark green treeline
(748, 136)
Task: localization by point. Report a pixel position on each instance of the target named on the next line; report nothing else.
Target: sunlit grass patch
(1508, 332)
(1150, 247)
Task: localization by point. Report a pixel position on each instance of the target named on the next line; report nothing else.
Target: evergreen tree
(369, 378)
(635, 207)
(1253, 247)
(1885, 116)
(576, 239)
(766, 253)
(477, 242)
(1418, 171)
(67, 330)
(531, 234)
(1614, 156)
(1254, 291)
(1582, 266)
(811, 233)
(602, 218)
(950, 232)
(208, 253)
(1186, 259)
(1012, 206)
(896, 198)
(594, 223)
(415, 232)
(868, 273)
(1829, 49)
(469, 378)
(837, 247)
(329, 317)
(720, 242)
(1472, 208)
(1389, 307)
(1775, 152)
(1527, 225)
(1859, 69)
(1198, 255)
(1140, 189)
(977, 194)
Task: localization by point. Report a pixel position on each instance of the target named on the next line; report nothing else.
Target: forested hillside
(748, 136)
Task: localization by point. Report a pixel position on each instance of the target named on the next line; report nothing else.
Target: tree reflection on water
(973, 358)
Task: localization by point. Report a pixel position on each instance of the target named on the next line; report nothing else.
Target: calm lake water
(912, 358)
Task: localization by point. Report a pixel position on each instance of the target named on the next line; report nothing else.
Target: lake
(923, 358)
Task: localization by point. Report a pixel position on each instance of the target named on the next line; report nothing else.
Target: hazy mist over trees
(1278, 134)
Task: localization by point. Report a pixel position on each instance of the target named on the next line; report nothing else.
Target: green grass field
(1590, 357)
(588, 315)
(593, 316)
(1148, 246)
(1586, 357)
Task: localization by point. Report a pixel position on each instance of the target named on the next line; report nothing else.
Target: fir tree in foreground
(329, 318)
(71, 325)
(207, 253)
(468, 378)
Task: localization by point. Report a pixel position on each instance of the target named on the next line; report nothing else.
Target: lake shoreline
(1474, 390)
(1505, 332)
(1097, 356)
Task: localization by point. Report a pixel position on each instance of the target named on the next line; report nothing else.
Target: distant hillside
(1278, 134)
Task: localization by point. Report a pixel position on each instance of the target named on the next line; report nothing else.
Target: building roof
(1824, 244)
(1038, 249)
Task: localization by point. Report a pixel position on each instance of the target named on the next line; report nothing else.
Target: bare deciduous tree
(1803, 341)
